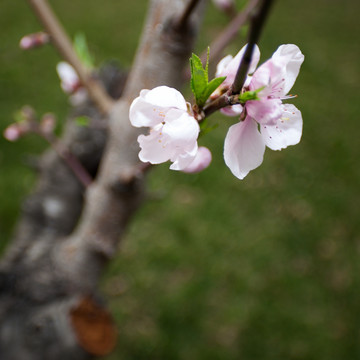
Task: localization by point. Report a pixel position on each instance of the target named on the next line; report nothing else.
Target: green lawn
(213, 267)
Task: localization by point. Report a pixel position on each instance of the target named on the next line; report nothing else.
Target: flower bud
(202, 161)
(70, 81)
(35, 40)
(12, 132)
(48, 123)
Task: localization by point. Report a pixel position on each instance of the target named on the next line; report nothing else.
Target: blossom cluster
(264, 120)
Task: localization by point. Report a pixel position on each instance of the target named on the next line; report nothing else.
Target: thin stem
(219, 103)
(256, 25)
(72, 162)
(229, 33)
(63, 44)
(183, 19)
(34, 126)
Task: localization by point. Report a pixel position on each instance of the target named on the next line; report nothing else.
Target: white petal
(176, 141)
(181, 128)
(151, 107)
(152, 147)
(142, 113)
(222, 64)
(184, 159)
(166, 97)
(287, 130)
(293, 60)
(244, 148)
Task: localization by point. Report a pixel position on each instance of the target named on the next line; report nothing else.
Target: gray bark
(49, 305)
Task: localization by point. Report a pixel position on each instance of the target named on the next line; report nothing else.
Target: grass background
(213, 267)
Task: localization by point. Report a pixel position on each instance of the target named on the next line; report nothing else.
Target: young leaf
(82, 50)
(199, 78)
(200, 86)
(250, 95)
(213, 85)
(207, 64)
(82, 121)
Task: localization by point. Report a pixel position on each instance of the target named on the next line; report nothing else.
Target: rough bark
(49, 306)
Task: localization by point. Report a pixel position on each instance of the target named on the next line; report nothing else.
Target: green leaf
(82, 50)
(250, 95)
(82, 121)
(207, 64)
(200, 86)
(213, 85)
(199, 79)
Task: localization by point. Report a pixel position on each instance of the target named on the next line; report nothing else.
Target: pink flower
(173, 131)
(268, 121)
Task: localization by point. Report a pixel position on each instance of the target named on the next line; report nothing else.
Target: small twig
(256, 25)
(219, 103)
(63, 44)
(183, 19)
(33, 125)
(71, 161)
(229, 33)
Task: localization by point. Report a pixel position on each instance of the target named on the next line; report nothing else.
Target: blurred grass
(213, 267)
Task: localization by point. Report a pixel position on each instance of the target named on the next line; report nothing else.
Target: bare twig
(184, 17)
(256, 25)
(71, 161)
(34, 126)
(220, 102)
(63, 44)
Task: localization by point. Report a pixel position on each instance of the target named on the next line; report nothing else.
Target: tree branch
(72, 162)
(183, 19)
(64, 46)
(256, 25)
(218, 45)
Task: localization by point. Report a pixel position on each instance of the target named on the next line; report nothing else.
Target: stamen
(288, 97)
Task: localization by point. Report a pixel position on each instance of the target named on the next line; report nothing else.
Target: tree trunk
(49, 305)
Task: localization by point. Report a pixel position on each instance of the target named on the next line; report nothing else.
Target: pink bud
(12, 132)
(202, 161)
(48, 123)
(26, 43)
(70, 82)
(34, 40)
